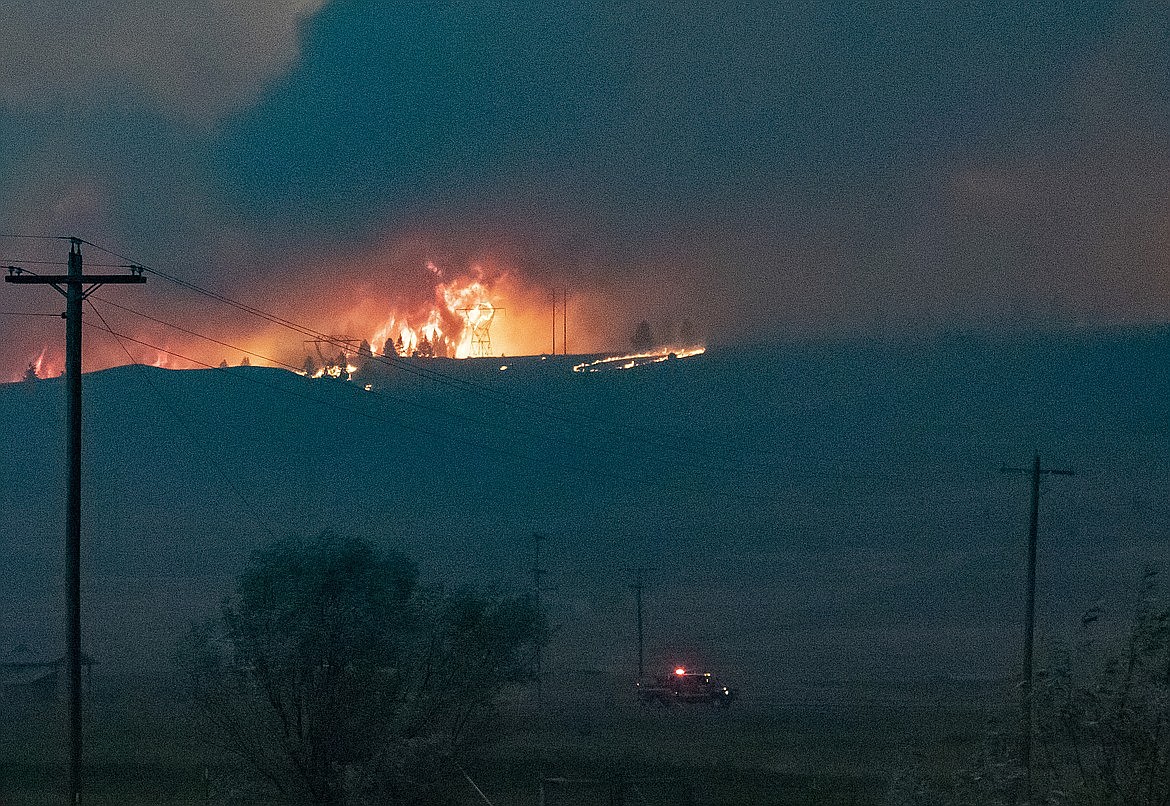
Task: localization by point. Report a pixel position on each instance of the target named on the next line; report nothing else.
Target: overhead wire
(412, 366)
(642, 435)
(25, 261)
(592, 446)
(228, 482)
(419, 368)
(433, 434)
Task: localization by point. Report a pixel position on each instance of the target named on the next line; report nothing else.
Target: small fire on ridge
(642, 359)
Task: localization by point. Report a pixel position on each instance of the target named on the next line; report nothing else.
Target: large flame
(456, 323)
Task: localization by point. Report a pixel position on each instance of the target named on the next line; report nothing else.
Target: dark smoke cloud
(764, 169)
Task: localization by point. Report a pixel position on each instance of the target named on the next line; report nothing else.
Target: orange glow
(680, 671)
(424, 295)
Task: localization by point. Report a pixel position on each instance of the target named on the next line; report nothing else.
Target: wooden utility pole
(75, 286)
(563, 294)
(1030, 610)
(638, 587)
(537, 586)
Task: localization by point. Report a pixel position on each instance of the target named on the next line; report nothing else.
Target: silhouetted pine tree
(643, 338)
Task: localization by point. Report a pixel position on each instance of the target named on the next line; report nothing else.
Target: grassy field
(825, 744)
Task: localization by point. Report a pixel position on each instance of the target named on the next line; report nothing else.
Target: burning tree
(334, 678)
(425, 349)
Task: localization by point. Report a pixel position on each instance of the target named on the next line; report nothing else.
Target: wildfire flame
(334, 371)
(638, 359)
(453, 325)
(41, 367)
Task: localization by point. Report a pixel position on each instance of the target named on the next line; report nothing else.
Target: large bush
(333, 677)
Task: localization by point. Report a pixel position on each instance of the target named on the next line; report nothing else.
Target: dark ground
(813, 744)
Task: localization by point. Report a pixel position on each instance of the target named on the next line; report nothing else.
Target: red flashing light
(680, 671)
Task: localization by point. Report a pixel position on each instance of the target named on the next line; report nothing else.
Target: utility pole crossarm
(63, 279)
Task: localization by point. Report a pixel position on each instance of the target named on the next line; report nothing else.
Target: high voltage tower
(481, 327)
(349, 347)
(1035, 472)
(75, 286)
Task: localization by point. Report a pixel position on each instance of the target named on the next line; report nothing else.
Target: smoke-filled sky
(762, 169)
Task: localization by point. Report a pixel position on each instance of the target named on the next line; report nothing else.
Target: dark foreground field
(813, 744)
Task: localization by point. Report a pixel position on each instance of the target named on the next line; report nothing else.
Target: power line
(417, 368)
(89, 264)
(757, 474)
(170, 406)
(721, 466)
(591, 446)
(443, 436)
(148, 317)
(644, 436)
(754, 474)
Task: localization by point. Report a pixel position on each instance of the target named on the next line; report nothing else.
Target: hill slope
(810, 510)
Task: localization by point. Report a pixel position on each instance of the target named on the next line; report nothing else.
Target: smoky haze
(763, 171)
